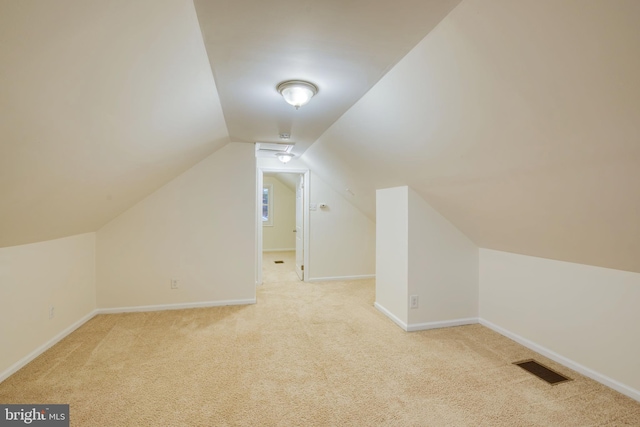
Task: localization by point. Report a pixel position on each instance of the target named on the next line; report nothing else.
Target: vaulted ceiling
(101, 102)
(343, 47)
(517, 120)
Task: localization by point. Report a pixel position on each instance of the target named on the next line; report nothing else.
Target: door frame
(305, 214)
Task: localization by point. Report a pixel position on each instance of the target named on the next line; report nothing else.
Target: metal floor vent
(542, 372)
(279, 262)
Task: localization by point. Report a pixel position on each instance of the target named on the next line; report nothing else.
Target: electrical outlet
(52, 312)
(413, 301)
(175, 284)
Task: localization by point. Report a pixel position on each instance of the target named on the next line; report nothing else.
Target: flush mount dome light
(297, 92)
(284, 157)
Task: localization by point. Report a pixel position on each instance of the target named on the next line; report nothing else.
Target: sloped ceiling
(344, 47)
(518, 120)
(101, 102)
(289, 180)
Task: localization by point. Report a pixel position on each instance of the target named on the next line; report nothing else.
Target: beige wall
(422, 254)
(342, 239)
(443, 267)
(280, 235)
(34, 277)
(392, 253)
(198, 228)
(517, 121)
(586, 314)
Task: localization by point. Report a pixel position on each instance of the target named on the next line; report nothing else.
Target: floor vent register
(542, 372)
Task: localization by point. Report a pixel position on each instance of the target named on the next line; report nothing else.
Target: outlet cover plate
(413, 301)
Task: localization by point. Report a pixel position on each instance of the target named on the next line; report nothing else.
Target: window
(267, 202)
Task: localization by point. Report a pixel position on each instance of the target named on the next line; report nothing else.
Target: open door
(300, 227)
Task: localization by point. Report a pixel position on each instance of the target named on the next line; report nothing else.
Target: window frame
(269, 221)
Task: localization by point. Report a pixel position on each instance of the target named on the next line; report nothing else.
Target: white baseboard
(390, 315)
(341, 278)
(182, 306)
(412, 327)
(441, 324)
(603, 379)
(279, 250)
(44, 347)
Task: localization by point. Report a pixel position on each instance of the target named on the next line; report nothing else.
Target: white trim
(258, 230)
(46, 346)
(603, 379)
(412, 327)
(307, 198)
(390, 315)
(279, 250)
(269, 221)
(341, 278)
(441, 324)
(182, 306)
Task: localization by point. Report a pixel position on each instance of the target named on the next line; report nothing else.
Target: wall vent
(269, 149)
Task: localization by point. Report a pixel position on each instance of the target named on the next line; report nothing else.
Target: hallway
(281, 272)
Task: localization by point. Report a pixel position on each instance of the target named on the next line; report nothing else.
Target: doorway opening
(282, 247)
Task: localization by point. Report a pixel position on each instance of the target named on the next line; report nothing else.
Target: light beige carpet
(305, 355)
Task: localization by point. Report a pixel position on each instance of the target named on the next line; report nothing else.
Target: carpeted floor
(306, 355)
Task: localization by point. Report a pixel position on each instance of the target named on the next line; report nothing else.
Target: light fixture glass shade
(284, 157)
(297, 92)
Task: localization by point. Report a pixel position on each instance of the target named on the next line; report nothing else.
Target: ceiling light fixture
(284, 157)
(297, 92)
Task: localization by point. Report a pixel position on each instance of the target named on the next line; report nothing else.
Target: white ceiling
(101, 102)
(343, 47)
(517, 120)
